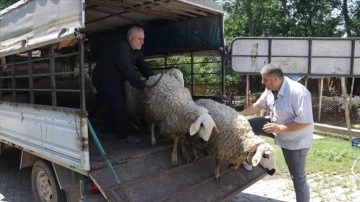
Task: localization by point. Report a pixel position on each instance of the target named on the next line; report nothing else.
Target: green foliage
(313, 18)
(204, 77)
(285, 18)
(252, 18)
(329, 155)
(6, 3)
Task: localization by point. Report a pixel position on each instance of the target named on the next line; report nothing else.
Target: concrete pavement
(15, 184)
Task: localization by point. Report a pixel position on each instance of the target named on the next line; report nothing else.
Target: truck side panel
(55, 134)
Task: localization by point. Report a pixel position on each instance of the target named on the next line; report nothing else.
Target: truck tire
(44, 183)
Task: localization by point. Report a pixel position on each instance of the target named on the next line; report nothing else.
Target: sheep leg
(234, 166)
(193, 149)
(184, 151)
(152, 129)
(194, 152)
(217, 170)
(174, 153)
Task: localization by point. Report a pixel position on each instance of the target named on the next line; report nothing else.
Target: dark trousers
(113, 94)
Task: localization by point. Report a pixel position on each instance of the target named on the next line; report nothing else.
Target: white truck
(44, 91)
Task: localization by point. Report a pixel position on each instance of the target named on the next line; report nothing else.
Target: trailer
(46, 99)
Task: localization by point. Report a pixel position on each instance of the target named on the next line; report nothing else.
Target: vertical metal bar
(309, 57)
(30, 73)
(352, 57)
(321, 86)
(81, 74)
(223, 60)
(52, 75)
(13, 81)
(269, 56)
(192, 73)
(1, 74)
(247, 91)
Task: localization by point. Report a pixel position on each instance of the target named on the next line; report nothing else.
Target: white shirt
(293, 104)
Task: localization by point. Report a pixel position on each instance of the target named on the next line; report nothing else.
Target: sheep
(236, 141)
(134, 98)
(134, 106)
(172, 109)
(172, 77)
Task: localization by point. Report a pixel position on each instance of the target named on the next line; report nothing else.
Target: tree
(252, 18)
(314, 18)
(6, 3)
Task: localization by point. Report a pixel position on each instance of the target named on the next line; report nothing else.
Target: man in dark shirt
(114, 66)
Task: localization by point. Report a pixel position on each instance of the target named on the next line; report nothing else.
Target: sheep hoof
(246, 166)
(153, 144)
(217, 178)
(187, 158)
(174, 160)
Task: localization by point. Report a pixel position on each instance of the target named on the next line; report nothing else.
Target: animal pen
(314, 62)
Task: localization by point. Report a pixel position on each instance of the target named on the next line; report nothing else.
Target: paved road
(15, 184)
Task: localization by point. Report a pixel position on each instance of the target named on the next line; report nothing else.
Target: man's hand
(272, 128)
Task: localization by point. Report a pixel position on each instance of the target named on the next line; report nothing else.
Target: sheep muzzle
(202, 141)
(270, 172)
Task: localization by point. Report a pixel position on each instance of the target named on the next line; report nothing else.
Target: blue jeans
(295, 160)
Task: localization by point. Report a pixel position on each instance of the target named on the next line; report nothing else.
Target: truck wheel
(44, 183)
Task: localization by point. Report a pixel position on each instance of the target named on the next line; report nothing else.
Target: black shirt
(115, 65)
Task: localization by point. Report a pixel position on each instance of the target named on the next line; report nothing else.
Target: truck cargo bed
(147, 174)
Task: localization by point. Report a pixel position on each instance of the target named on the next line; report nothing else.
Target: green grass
(330, 155)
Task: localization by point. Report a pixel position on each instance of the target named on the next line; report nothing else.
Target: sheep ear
(257, 157)
(194, 128)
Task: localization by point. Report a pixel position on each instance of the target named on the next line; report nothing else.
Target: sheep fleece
(171, 107)
(236, 139)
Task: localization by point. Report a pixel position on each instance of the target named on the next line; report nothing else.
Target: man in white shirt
(291, 122)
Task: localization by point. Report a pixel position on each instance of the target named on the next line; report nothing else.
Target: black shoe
(131, 140)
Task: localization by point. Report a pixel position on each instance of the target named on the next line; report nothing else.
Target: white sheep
(236, 141)
(134, 97)
(171, 108)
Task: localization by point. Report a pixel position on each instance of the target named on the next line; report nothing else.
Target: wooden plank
(336, 129)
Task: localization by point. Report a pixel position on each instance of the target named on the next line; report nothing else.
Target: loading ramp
(146, 174)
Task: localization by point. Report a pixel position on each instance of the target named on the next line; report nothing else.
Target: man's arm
(280, 128)
(251, 110)
(123, 57)
(142, 66)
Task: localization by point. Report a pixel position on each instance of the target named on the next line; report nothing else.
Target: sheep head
(177, 74)
(204, 126)
(265, 155)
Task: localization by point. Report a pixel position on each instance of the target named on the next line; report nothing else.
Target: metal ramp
(148, 175)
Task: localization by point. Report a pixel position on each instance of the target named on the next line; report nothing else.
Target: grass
(329, 167)
(330, 155)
